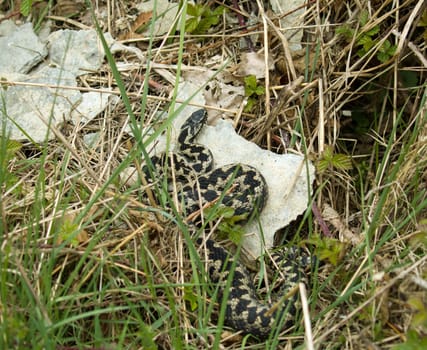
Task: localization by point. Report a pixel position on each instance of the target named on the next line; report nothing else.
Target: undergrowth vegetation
(90, 260)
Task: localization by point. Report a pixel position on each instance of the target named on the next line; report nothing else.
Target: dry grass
(87, 262)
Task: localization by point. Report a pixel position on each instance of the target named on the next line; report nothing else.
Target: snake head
(192, 126)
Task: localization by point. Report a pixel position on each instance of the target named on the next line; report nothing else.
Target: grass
(88, 261)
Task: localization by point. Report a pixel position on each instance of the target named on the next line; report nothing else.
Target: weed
(252, 91)
(366, 39)
(202, 18)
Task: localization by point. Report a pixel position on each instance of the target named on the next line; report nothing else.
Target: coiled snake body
(243, 188)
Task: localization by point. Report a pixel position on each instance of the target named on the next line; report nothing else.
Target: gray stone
(47, 96)
(79, 52)
(20, 48)
(28, 111)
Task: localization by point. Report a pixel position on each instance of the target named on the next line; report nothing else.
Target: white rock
(165, 15)
(77, 51)
(30, 109)
(20, 48)
(293, 19)
(91, 105)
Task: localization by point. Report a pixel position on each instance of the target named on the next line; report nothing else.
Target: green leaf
(250, 85)
(423, 20)
(202, 18)
(26, 7)
(345, 31)
(361, 52)
(249, 104)
(373, 31)
(68, 229)
(12, 147)
(364, 17)
(330, 160)
(342, 162)
(366, 42)
(194, 10)
(327, 248)
(419, 318)
(205, 24)
(190, 297)
(219, 11)
(260, 90)
(229, 227)
(147, 337)
(386, 51)
(233, 232)
(388, 48)
(414, 341)
(416, 303)
(420, 238)
(250, 82)
(191, 24)
(383, 57)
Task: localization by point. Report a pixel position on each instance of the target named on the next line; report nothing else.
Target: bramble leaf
(330, 160)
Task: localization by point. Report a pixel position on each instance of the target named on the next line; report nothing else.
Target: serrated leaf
(385, 46)
(329, 159)
(67, 230)
(260, 90)
(249, 104)
(361, 52)
(346, 31)
(364, 16)
(388, 48)
(366, 42)
(327, 248)
(250, 85)
(342, 162)
(322, 165)
(383, 56)
(218, 11)
(231, 231)
(373, 31)
(328, 153)
(227, 212)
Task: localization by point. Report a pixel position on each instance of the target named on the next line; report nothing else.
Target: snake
(243, 188)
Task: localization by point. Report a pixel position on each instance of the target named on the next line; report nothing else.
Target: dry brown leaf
(330, 215)
(138, 26)
(253, 63)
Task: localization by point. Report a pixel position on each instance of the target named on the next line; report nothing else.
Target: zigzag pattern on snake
(243, 188)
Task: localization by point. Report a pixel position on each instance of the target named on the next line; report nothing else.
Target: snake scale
(243, 188)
